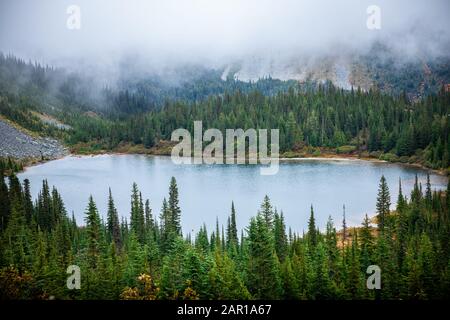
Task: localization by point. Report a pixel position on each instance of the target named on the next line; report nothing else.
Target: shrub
(345, 149)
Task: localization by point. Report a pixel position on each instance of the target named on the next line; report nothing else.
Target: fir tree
(232, 237)
(28, 203)
(312, 231)
(92, 220)
(383, 203)
(113, 222)
(5, 209)
(263, 265)
(174, 209)
(267, 212)
(281, 243)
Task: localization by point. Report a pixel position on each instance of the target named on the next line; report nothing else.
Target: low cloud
(214, 32)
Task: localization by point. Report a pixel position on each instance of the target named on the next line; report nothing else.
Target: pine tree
(217, 246)
(267, 212)
(16, 251)
(173, 281)
(175, 212)
(401, 226)
(232, 237)
(92, 220)
(321, 284)
(401, 201)
(344, 227)
(136, 260)
(426, 261)
(113, 222)
(290, 283)
(44, 211)
(312, 231)
(40, 255)
(149, 221)
(28, 204)
(5, 209)
(137, 216)
(167, 234)
(428, 193)
(367, 243)
(281, 243)
(383, 203)
(331, 247)
(201, 240)
(224, 280)
(263, 272)
(355, 283)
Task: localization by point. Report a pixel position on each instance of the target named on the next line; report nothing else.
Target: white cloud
(208, 31)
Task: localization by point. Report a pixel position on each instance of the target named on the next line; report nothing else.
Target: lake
(206, 191)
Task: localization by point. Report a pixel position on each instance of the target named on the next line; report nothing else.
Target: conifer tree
(383, 203)
(232, 237)
(267, 212)
(263, 271)
(281, 243)
(167, 233)
(344, 227)
(331, 247)
(137, 216)
(224, 280)
(355, 283)
(5, 209)
(174, 208)
(312, 231)
(92, 220)
(428, 193)
(113, 222)
(290, 283)
(28, 203)
(149, 221)
(366, 238)
(201, 240)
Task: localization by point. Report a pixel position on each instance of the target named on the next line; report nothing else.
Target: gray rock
(17, 144)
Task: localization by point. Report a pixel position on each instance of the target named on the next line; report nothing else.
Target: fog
(161, 33)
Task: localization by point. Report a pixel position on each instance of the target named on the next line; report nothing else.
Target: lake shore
(164, 150)
(35, 162)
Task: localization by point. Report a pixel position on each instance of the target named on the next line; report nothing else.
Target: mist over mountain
(247, 40)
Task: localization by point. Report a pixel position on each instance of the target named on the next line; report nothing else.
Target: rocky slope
(17, 144)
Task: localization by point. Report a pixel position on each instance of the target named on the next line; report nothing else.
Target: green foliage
(39, 241)
(309, 116)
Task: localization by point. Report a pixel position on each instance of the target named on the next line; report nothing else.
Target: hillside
(17, 144)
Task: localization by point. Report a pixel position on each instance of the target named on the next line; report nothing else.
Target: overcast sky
(216, 30)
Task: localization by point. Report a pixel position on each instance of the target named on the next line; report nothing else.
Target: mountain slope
(18, 144)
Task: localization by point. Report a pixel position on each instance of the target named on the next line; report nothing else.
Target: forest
(311, 117)
(148, 257)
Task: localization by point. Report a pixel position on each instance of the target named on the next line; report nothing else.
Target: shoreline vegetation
(25, 163)
(314, 120)
(284, 157)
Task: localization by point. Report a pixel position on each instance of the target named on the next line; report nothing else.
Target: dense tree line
(356, 121)
(148, 257)
(308, 116)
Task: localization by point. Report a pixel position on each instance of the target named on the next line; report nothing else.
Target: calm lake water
(206, 191)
